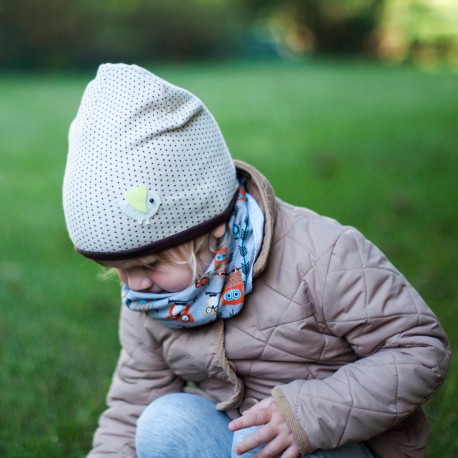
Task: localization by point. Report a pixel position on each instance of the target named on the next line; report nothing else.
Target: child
(247, 324)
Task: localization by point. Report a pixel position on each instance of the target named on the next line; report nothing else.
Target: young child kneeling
(248, 326)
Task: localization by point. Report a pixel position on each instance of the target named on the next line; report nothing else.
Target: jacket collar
(262, 191)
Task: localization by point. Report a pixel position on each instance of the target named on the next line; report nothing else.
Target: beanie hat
(147, 167)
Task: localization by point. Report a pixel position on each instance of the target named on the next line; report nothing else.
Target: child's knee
(157, 426)
(182, 424)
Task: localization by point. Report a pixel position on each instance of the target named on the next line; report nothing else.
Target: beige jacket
(339, 338)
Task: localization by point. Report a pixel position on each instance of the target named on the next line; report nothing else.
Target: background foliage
(69, 33)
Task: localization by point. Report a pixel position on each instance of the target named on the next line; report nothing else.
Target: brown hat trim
(164, 244)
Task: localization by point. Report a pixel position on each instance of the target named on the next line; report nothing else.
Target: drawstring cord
(237, 397)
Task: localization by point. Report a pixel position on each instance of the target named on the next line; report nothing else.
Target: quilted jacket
(344, 344)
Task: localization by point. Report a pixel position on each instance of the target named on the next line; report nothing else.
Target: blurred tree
(425, 31)
(45, 33)
(63, 33)
(331, 26)
(171, 29)
(54, 33)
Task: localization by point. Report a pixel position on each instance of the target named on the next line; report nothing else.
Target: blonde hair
(188, 253)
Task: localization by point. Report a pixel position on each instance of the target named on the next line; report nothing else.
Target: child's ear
(219, 231)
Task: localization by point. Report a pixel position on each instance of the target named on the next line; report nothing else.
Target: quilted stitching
(360, 269)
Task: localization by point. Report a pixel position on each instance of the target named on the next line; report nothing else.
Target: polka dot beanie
(147, 167)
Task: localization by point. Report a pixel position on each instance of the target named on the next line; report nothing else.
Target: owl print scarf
(220, 292)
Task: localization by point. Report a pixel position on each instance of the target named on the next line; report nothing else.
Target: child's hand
(275, 431)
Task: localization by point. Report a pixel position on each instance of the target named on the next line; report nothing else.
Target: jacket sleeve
(402, 352)
(141, 376)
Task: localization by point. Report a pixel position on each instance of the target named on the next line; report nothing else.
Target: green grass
(372, 146)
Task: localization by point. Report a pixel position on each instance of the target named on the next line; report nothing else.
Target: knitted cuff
(296, 428)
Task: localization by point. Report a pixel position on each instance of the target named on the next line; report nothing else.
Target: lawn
(373, 146)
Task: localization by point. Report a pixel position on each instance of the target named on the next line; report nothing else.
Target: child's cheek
(122, 275)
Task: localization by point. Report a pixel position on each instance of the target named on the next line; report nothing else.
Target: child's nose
(138, 280)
